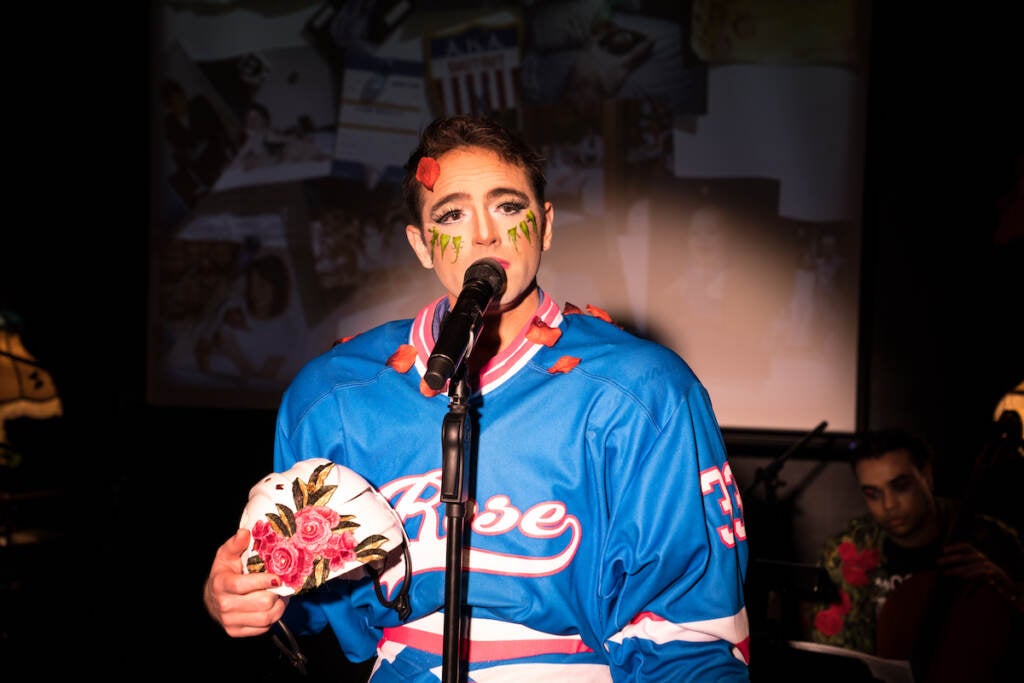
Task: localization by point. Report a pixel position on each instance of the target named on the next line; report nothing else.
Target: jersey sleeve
(330, 605)
(677, 553)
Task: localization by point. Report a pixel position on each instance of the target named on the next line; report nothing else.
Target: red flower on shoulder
(426, 390)
(599, 313)
(402, 359)
(542, 333)
(564, 364)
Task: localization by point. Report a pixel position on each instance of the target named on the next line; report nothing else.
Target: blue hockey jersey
(605, 540)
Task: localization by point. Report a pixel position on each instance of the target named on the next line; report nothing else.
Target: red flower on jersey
(542, 333)
(402, 359)
(564, 364)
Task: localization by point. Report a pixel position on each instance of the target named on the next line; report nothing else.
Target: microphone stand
(772, 610)
(456, 440)
(769, 476)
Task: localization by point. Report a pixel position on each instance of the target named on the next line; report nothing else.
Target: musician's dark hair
(878, 442)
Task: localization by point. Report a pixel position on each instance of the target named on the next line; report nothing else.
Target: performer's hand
(241, 603)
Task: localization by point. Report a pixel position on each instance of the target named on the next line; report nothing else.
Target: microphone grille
(488, 270)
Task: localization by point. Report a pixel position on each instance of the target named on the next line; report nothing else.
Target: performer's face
(482, 206)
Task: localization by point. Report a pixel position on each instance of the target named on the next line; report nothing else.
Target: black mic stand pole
(456, 440)
(769, 475)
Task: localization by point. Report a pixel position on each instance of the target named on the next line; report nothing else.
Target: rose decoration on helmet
(336, 523)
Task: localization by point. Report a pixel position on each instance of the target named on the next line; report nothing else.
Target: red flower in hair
(427, 171)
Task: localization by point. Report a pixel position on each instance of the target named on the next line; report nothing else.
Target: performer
(606, 539)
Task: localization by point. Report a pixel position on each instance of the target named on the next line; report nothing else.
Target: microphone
(484, 281)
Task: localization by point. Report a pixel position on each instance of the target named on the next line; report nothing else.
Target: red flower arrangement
(856, 564)
(830, 620)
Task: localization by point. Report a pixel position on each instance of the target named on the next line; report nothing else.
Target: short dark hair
(878, 442)
(447, 133)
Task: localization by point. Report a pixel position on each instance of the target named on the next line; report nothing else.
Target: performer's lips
(503, 263)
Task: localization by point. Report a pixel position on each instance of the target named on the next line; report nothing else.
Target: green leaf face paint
(442, 240)
(527, 229)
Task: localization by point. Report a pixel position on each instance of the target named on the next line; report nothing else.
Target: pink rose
(263, 534)
(340, 549)
(313, 527)
(290, 563)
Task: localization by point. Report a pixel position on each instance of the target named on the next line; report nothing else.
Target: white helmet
(320, 520)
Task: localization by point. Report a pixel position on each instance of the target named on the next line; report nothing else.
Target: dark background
(150, 492)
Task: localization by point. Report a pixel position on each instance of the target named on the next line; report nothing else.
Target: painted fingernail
(275, 582)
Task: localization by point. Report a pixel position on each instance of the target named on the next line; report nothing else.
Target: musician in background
(920, 577)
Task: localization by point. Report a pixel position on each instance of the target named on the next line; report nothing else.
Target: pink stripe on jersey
(485, 650)
(502, 366)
